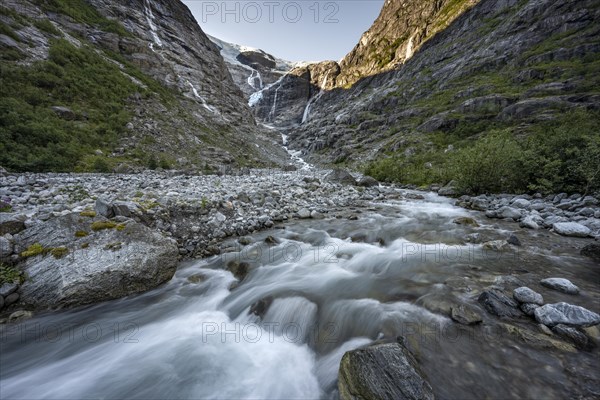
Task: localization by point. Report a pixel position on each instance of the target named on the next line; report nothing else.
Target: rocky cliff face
(502, 65)
(400, 30)
(195, 118)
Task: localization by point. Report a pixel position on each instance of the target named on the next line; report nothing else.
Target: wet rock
(196, 278)
(592, 250)
(529, 222)
(244, 240)
(560, 284)
(529, 308)
(571, 229)
(497, 245)
(512, 239)
(367, 181)
(11, 299)
(8, 288)
(573, 335)
(465, 315)
(11, 223)
(304, 213)
(341, 176)
(536, 339)
(526, 295)
(382, 371)
(271, 240)
(20, 315)
(510, 213)
(238, 269)
(142, 260)
(466, 221)
(567, 314)
(261, 307)
(499, 304)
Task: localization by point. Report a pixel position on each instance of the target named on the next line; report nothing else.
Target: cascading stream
(328, 287)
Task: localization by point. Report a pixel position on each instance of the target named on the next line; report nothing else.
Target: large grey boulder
(112, 261)
(341, 176)
(382, 371)
(567, 314)
(367, 181)
(449, 190)
(571, 229)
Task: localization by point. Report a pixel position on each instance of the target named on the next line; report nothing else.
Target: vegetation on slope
(33, 137)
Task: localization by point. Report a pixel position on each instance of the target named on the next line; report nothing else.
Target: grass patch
(101, 225)
(80, 234)
(59, 252)
(88, 213)
(34, 250)
(47, 26)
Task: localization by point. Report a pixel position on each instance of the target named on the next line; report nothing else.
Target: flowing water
(327, 287)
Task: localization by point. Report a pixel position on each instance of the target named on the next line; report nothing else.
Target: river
(327, 286)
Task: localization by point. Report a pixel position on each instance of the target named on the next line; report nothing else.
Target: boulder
(104, 208)
(509, 213)
(125, 208)
(367, 181)
(529, 308)
(571, 229)
(449, 190)
(6, 248)
(341, 176)
(521, 203)
(109, 263)
(525, 295)
(529, 222)
(499, 304)
(560, 284)
(8, 288)
(11, 223)
(382, 371)
(567, 314)
(304, 213)
(466, 221)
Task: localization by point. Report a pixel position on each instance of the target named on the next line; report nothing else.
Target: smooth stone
(8, 288)
(560, 284)
(571, 229)
(11, 299)
(526, 295)
(568, 314)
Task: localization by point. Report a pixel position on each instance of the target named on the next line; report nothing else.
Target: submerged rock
(592, 250)
(573, 335)
(499, 304)
(567, 314)
(466, 221)
(465, 315)
(560, 284)
(382, 371)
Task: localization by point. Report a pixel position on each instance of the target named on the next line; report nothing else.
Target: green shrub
(9, 274)
(100, 165)
(46, 26)
(152, 163)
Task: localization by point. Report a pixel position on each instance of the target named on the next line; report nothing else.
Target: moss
(121, 227)
(85, 245)
(88, 213)
(10, 274)
(33, 250)
(101, 225)
(59, 252)
(80, 234)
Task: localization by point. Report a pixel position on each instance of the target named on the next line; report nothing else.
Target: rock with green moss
(70, 274)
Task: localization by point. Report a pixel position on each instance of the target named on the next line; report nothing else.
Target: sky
(301, 30)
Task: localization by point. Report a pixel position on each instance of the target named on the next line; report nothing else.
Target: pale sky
(309, 30)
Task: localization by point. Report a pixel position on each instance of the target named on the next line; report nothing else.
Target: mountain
(119, 85)
(524, 72)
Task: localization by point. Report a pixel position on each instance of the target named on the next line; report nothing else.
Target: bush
(152, 163)
(493, 164)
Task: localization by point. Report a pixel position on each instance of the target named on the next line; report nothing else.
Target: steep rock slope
(504, 64)
(401, 28)
(164, 96)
